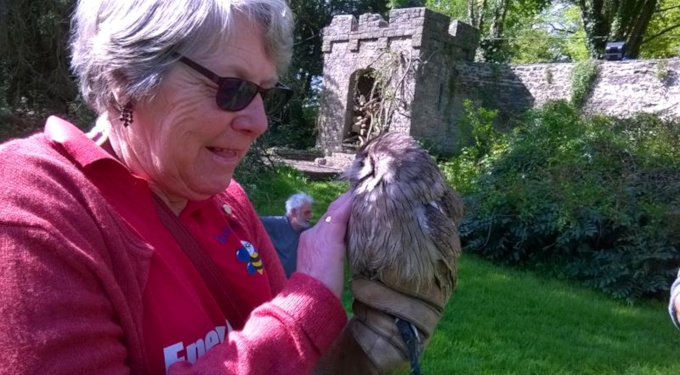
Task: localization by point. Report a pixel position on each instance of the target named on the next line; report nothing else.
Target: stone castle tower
(408, 54)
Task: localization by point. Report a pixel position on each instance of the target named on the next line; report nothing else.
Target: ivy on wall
(582, 78)
(662, 72)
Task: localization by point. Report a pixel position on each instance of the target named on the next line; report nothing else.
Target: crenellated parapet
(420, 25)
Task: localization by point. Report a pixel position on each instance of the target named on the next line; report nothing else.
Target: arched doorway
(362, 121)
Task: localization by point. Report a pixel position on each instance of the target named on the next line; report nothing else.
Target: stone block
(344, 23)
(464, 35)
(417, 41)
(354, 45)
(382, 43)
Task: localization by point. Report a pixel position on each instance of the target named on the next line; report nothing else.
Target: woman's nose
(252, 119)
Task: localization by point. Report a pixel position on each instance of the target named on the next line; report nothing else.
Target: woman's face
(181, 141)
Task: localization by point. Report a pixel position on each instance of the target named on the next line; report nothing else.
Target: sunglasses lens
(235, 94)
(276, 98)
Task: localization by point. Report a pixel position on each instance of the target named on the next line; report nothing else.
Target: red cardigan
(72, 279)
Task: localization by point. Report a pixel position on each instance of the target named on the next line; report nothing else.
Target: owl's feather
(404, 216)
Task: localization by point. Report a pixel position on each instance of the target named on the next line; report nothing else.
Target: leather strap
(211, 274)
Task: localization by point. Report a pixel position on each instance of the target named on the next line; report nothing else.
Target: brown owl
(403, 224)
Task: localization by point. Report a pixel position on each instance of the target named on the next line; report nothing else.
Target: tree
(546, 30)
(396, 4)
(457, 10)
(311, 16)
(662, 38)
(34, 60)
(494, 47)
(616, 20)
(494, 18)
(554, 35)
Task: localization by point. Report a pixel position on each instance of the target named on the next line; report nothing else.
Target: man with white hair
(284, 231)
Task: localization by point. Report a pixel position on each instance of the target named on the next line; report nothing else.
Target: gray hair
(296, 201)
(125, 47)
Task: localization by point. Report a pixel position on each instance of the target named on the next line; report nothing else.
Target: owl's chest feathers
(385, 218)
(391, 234)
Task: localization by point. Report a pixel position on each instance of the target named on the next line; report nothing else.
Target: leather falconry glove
(403, 247)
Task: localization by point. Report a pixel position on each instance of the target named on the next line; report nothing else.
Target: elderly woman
(130, 249)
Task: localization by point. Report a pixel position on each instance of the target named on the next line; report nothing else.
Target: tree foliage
(554, 35)
(625, 20)
(34, 67)
(397, 4)
(567, 30)
(497, 20)
(662, 38)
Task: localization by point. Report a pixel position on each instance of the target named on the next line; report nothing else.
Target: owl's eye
(367, 169)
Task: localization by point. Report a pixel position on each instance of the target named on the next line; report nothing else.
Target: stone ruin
(414, 72)
(380, 73)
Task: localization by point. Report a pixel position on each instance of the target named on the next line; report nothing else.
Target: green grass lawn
(505, 321)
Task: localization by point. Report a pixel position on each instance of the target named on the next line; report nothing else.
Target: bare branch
(666, 9)
(559, 29)
(660, 33)
(306, 39)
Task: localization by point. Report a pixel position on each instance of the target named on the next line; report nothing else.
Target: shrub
(589, 198)
(482, 140)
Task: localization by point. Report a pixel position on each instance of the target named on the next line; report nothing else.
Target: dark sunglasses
(235, 94)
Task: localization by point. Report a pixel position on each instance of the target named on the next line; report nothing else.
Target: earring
(126, 115)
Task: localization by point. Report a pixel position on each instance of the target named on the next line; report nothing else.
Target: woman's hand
(321, 251)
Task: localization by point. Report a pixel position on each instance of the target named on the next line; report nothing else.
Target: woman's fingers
(338, 212)
(321, 251)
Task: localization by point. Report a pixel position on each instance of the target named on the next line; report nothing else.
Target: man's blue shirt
(285, 240)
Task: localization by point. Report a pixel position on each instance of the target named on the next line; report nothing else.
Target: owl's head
(388, 158)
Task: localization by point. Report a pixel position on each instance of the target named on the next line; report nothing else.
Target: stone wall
(622, 88)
